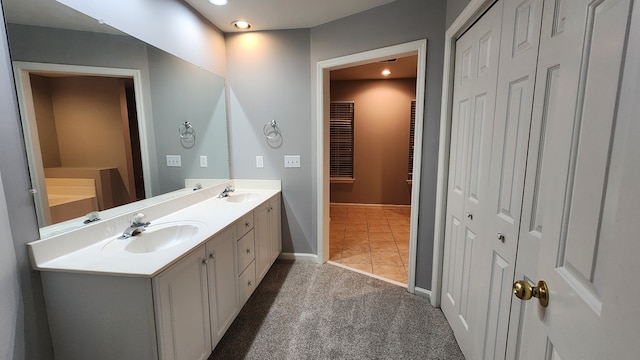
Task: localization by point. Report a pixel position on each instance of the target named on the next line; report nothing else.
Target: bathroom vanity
(170, 292)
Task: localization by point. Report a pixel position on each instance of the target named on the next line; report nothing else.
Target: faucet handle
(139, 218)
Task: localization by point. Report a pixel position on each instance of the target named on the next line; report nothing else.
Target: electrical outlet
(174, 160)
(259, 161)
(203, 161)
(291, 161)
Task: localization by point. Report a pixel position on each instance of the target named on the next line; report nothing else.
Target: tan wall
(381, 140)
(90, 105)
(45, 121)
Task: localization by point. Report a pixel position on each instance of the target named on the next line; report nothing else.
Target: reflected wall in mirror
(122, 156)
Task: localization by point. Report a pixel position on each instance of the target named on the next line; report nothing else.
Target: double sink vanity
(168, 290)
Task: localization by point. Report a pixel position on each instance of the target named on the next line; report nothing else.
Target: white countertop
(95, 249)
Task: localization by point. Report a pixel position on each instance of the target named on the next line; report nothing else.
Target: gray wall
(10, 301)
(454, 8)
(183, 92)
(268, 77)
(31, 330)
(399, 22)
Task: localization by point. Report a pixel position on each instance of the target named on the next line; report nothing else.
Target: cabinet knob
(469, 216)
(248, 251)
(501, 237)
(212, 255)
(205, 261)
(246, 224)
(249, 283)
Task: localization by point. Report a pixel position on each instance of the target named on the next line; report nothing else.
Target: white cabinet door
(274, 227)
(223, 285)
(588, 258)
(268, 235)
(263, 244)
(182, 309)
(473, 112)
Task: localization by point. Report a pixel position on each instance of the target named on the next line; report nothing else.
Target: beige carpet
(310, 311)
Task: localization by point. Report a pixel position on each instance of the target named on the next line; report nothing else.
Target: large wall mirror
(103, 113)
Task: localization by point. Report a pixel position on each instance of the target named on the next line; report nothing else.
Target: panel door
(496, 252)
(545, 105)
(475, 79)
(263, 245)
(274, 228)
(591, 203)
(223, 284)
(182, 310)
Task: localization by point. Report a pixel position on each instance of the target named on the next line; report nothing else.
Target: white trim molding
(422, 292)
(418, 47)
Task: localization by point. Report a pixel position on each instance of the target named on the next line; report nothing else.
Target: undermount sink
(160, 237)
(242, 197)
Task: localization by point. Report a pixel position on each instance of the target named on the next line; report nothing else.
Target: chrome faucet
(225, 193)
(137, 226)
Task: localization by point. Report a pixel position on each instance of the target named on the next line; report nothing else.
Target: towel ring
(186, 131)
(271, 130)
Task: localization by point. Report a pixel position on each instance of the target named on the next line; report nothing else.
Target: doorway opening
(371, 162)
(378, 212)
(83, 132)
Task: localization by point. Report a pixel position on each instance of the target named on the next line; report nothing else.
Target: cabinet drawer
(246, 251)
(244, 224)
(247, 282)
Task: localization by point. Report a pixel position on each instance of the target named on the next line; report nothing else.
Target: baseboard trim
(298, 257)
(359, 205)
(422, 292)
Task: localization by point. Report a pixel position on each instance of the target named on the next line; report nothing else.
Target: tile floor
(374, 239)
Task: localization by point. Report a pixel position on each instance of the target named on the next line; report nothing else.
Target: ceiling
(50, 13)
(262, 14)
(281, 14)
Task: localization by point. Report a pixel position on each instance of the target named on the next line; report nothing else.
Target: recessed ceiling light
(218, 2)
(386, 72)
(241, 24)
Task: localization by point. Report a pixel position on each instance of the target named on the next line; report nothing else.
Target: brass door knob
(524, 291)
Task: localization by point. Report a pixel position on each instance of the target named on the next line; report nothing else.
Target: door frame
(21, 71)
(323, 68)
(474, 10)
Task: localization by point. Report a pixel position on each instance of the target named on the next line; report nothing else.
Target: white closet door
(590, 190)
(545, 105)
(496, 252)
(473, 110)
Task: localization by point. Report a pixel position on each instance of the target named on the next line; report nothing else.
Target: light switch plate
(292, 161)
(174, 160)
(203, 161)
(259, 161)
